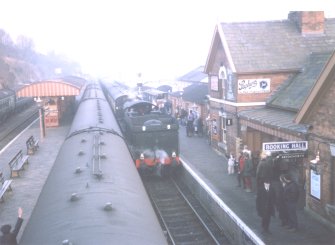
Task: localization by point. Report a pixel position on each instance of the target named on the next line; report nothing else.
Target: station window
(224, 129)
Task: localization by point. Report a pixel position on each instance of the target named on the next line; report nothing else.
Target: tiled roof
(177, 94)
(165, 88)
(274, 118)
(195, 93)
(196, 75)
(274, 45)
(294, 92)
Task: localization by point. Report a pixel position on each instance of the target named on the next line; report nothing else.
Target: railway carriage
(10, 104)
(7, 103)
(117, 95)
(94, 194)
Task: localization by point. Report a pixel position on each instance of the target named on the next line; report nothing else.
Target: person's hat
(282, 178)
(265, 154)
(267, 180)
(286, 178)
(5, 229)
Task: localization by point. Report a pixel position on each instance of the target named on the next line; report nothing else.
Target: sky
(137, 39)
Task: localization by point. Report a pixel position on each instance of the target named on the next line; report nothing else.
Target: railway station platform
(211, 166)
(27, 187)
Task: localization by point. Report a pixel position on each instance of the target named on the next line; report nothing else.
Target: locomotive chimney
(308, 22)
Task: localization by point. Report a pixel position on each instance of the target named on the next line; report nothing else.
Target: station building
(54, 97)
(261, 78)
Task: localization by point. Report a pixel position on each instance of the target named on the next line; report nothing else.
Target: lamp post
(41, 115)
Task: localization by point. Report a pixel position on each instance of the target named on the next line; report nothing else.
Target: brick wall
(275, 81)
(309, 22)
(323, 113)
(322, 118)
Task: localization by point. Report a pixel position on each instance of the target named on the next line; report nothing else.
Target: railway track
(18, 122)
(182, 217)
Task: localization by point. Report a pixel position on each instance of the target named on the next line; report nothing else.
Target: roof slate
(165, 88)
(195, 93)
(274, 45)
(294, 92)
(196, 75)
(274, 118)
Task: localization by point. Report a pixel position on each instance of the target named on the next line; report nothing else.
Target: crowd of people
(275, 192)
(193, 122)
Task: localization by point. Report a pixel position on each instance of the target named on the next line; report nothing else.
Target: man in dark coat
(8, 237)
(264, 169)
(265, 204)
(280, 202)
(291, 197)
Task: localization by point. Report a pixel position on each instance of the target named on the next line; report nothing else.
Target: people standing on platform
(183, 115)
(231, 164)
(291, 197)
(240, 178)
(200, 127)
(280, 202)
(265, 204)
(264, 169)
(189, 124)
(247, 171)
(8, 237)
(195, 125)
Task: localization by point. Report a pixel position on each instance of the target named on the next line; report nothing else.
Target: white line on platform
(13, 140)
(219, 201)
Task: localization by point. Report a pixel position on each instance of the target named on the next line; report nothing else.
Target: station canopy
(66, 86)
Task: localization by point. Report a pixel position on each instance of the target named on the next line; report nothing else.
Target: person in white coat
(231, 164)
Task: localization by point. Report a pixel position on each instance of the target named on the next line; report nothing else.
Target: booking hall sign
(291, 149)
(285, 146)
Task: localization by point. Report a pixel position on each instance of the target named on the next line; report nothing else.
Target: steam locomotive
(94, 194)
(151, 133)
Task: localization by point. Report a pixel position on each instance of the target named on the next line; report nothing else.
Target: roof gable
(195, 93)
(326, 79)
(294, 92)
(267, 45)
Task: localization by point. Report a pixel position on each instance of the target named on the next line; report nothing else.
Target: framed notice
(315, 185)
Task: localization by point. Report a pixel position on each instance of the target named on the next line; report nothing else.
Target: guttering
(240, 104)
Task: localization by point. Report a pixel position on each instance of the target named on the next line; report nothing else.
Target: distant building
(191, 95)
(195, 76)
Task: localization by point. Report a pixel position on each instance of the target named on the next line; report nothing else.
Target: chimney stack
(308, 22)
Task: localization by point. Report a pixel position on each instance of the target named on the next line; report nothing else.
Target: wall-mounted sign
(286, 146)
(289, 155)
(252, 86)
(229, 121)
(315, 185)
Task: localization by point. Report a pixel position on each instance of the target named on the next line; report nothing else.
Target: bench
(5, 186)
(32, 145)
(17, 164)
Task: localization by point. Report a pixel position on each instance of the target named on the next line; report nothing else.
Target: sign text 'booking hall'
(286, 146)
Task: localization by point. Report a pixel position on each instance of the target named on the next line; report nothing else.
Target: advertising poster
(315, 185)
